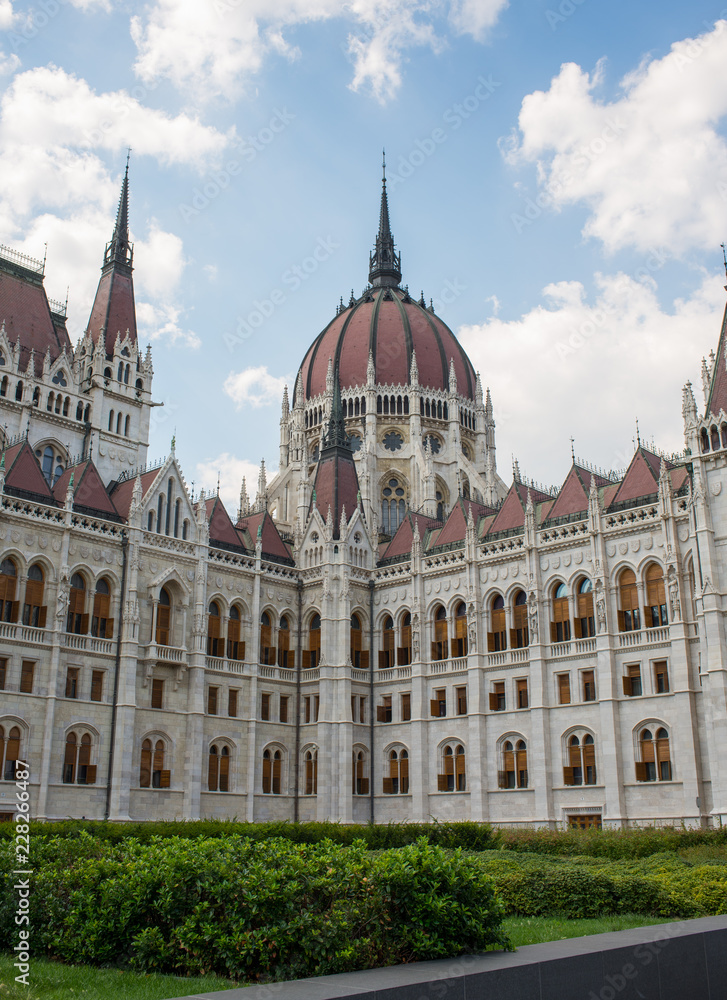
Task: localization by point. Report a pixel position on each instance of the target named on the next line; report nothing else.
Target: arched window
(49, 404)
(150, 521)
(66, 404)
(177, 512)
(151, 771)
(453, 775)
(705, 440)
(513, 771)
(655, 756)
(9, 607)
(77, 767)
(111, 420)
(560, 625)
(120, 372)
(36, 396)
(59, 403)
(359, 657)
(87, 413)
(393, 506)
(723, 434)
(267, 650)
(47, 466)
(235, 648)
(9, 752)
(285, 659)
(581, 768)
(160, 514)
(34, 611)
(388, 644)
(272, 767)
(459, 642)
(655, 610)
(441, 637)
(127, 418)
(77, 621)
(584, 623)
(628, 616)
(19, 392)
(497, 638)
(218, 769)
(102, 626)
(403, 653)
(215, 644)
(127, 370)
(397, 783)
(185, 529)
(310, 758)
(4, 386)
(164, 614)
(360, 772)
(520, 637)
(79, 411)
(312, 655)
(714, 437)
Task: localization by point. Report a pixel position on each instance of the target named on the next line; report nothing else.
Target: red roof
(273, 544)
(512, 513)
(113, 309)
(122, 493)
(25, 311)
(455, 527)
(641, 479)
(336, 486)
(573, 495)
(401, 543)
(221, 527)
(23, 471)
(391, 328)
(718, 390)
(88, 488)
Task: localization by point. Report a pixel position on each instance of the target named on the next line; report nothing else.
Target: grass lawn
(54, 981)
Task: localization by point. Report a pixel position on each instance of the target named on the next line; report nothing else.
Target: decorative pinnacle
(335, 436)
(119, 251)
(384, 262)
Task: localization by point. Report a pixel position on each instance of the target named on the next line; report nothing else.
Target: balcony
(456, 665)
(223, 665)
(26, 634)
(507, 657)
(572, 647)
(644, 637)
(87, 643)
(164, 654)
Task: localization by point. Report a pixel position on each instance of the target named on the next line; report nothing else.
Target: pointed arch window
(312, 655)
(403, 653)
(655, 610)
(397, 782)
(77, 621)
(360, 773)
(310, 759)
(459, 642)
(393, 506)
(102, 626)
(388, 641)
(215, 643)
(285, 659)
(584, 623)
(235, 648)
(9, 607)
(359, 656)
(514, 767)
(267, 650)
(497, 638)
(581, 767)
(152, 772)
(629, 616)
(164, 615)
(77, 767)
(441, 637)
(453, 776)
(655, 756)
(9, 752)
(218, 768)
(519, 637)
(34, 611)
(560, 625)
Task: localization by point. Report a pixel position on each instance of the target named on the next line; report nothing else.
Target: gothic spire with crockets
(384, 262)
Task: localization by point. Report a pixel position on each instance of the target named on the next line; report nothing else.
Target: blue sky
(557, 178)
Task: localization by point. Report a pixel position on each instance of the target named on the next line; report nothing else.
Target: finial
(572, 448)
(352, 300)
(724, 257)
(384, 262)
(218, 482)
(638, 433)
(174, 441)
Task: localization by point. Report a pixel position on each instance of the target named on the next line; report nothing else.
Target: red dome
(390, 325)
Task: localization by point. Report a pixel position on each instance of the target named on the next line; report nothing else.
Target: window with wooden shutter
(69, 759)
(575, 761)
(102, 627)
(589, 685)
(589, 761)
(384, 710)
(632, 680)
(8, 583)
(224, 785)
(267, 650)
(162, 629)
(3, 672)
(460, 773)
(568, 777)
(498, 642)
(521, 764)
(519, 633)
(663, 755)
(158, 775)
(284, 708)
(232, 704)
(265, 707)
(97, 685)
(522, 692)
(84, 759)
(508, 766)
(655, 611)
(305, 659)
(72, 682)
(213, 769)
(405, 707)
(460, 694)
(27, 670)
(404, 772)
(355, 641)
(440, 644)
(630, 616)
(439, 703)
(267, 773)
(388, 642)
(661, 677)
(585, 624)
(314, 641)
(145, 765)
(560, 625)
(215, 646)
(641, 772)
(403, 653)
(285, 659)
(497, 697)
(212, 700)
(165, 778)
(445, 781)
(33, 609)
(316, 706)
(311, 772)
(91, 774)
(563, 689)
(459, 643)
(157, 693)
(235, 648)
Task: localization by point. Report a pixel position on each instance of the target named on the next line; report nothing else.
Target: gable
(23, 472)
(640, 480)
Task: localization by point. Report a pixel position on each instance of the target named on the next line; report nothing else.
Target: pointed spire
(414, 370)
(298, 396)
(244, 501)
(478, 390)
(488, 404)
(329, 377)
(119, 250)
(384, 262)
(352, 300)
(262, 487)
(516, 470)
(286, 404)
(452, 377)
(343, 522)
(371, 370)
(335, 436)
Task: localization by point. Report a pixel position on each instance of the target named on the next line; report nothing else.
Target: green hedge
(614, 844)
(247, 910)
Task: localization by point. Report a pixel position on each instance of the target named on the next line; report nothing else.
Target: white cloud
(230, 471)
(590, 368)
(157, 321)
(212, 49)
(7, 15)
(159, 262)
(255, 386)
(649, 164)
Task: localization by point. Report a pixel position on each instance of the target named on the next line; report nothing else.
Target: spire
(384, 262)
(371, 370)
(119, 250)
(335, 436)
(452, 377)
(414, 370)
(336, 484)
(286, 404)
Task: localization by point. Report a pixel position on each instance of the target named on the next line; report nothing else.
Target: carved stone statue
(64, 594)
(674, 604)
